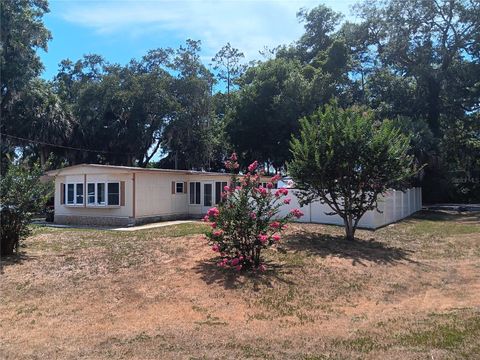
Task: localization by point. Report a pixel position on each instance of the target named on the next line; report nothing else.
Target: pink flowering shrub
(247, 221)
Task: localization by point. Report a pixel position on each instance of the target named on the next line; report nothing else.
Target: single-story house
(120, 195)
(124, 196)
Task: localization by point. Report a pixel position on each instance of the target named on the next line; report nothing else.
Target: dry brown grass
(407, 291)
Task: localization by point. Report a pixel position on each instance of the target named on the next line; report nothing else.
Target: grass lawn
(408, 291)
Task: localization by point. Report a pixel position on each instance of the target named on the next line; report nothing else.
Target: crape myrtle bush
(246, 220)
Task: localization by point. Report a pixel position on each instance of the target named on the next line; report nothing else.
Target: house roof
(135, 169)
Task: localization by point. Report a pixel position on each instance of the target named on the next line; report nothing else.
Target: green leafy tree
(320, 23)
(227, 61)
(44, 118)
(22, 194)
(22, 33)
(187, 138)
(272, 97)
(434, 43)
(121, 111)
(342, 158)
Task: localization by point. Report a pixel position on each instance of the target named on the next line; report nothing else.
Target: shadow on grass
(230, 279)
(358, 251)
(14, 259)
(442, 215)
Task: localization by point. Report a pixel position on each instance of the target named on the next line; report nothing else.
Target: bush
(247, 221)
(344, 159)
(21, 195)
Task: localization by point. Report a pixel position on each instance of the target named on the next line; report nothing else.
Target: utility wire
(64, 147)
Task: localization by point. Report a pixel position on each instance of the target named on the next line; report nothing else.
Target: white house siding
(154, 198)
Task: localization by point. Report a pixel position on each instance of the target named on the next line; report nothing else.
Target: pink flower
(213, 212)
(231, 164)
(206, 218)
(275, 225)
(226, 188)
(218, 233)
(262, 191)
(280, 192)
(253, 166)
(238, 267)
(263, 238)
(270, 185)
(262, 268)
(253, 216)
(287, 201)
(275, 178)
(215, 248)
(233, 157)
(222, 263)
(297, 213)
(276, 237)
(238, 188)
(213, 225)
(235, 262)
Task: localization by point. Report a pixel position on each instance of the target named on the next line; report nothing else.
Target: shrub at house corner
(21, 195)
(247, 221)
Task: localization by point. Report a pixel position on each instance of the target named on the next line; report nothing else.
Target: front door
(207, 195)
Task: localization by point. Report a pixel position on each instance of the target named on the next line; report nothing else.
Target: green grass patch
(447, 331)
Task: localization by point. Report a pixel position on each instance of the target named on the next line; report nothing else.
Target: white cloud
(247, 24)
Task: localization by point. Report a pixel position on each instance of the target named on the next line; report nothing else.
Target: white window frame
(105, 194)
(74, 203)
(176, 187)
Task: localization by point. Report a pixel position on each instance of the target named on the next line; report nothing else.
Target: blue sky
(120, 30)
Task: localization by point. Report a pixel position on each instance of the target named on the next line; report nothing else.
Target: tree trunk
(349, 229)
(7, 247)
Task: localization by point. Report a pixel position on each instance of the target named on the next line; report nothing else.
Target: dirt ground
(408, 291)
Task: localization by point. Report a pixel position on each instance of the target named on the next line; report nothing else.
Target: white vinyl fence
(394, 206)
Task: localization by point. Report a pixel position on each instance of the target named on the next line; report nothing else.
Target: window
(219, 186)
(207, 194)
(79, 194)
(195, 193)
(62, 195)
(75, 194)
(101, 194)
(70, 194)
(91, 193)
(179, 188)
(113, 193)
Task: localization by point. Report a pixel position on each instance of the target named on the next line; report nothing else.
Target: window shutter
(122, 193)
(173, 187)
(62, 193)
(185, 189)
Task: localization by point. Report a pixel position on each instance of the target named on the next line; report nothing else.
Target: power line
(64, 147)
